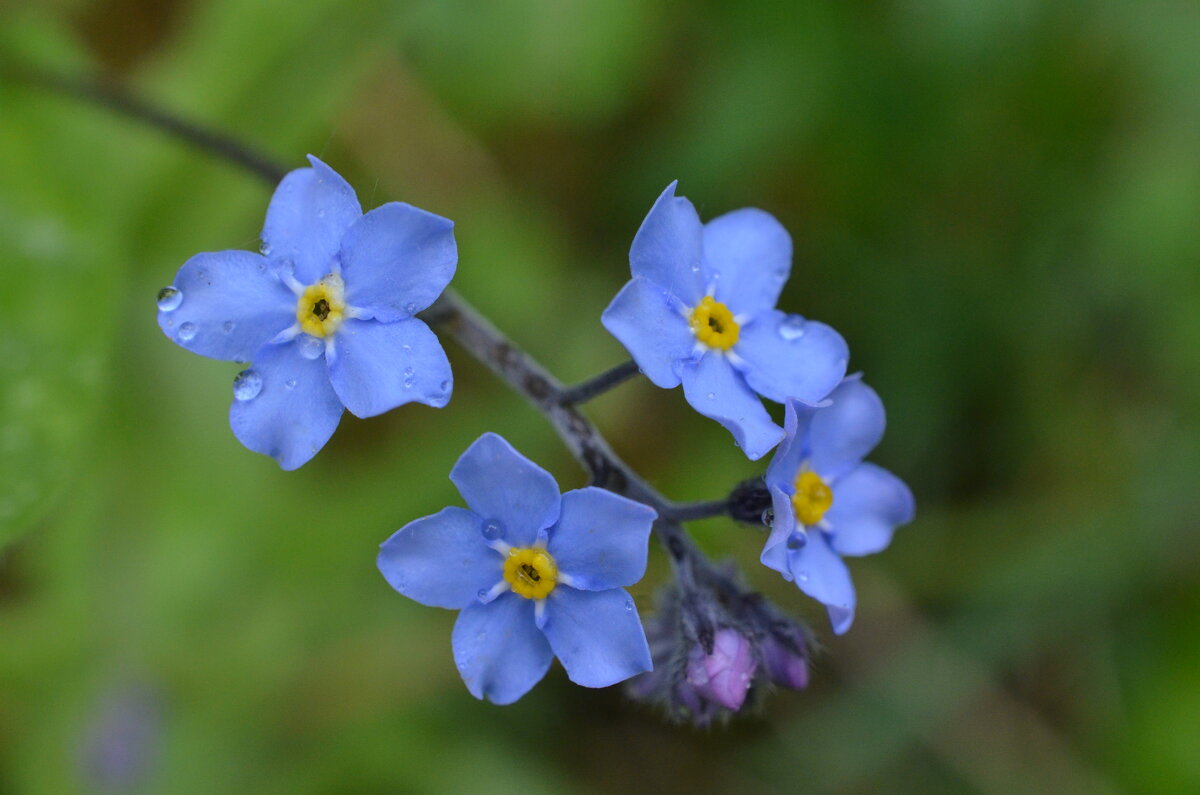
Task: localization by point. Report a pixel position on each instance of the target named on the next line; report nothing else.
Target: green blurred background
(995, 201)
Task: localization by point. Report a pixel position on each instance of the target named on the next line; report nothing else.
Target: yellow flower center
(531, 572)
(812, 499)
(319, 310)
(713, 324)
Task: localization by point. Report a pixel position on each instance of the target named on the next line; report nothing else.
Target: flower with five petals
(326, 313)
(536, 575)
(700, 310)
(828, 502)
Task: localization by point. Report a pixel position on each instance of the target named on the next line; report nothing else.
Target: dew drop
(169, 299)
(482, 594)
(695, 267)
(408, 383)
(407, 348)
(187, 331)
(201, 274)
(712, 396)
(265, 248)
(311, 347)
(493, 530)
(290, 383)
(408, 372)
(797, 541)
(228, 326)
(791, 327)
(802, 576)
(321, 213)
(628, 605)
(246, 385)
(768, 517)
(410, 308)
(445, 386)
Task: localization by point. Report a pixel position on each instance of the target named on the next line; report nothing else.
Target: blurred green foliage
(995, 202)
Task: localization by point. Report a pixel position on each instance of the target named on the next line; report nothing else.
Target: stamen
(812, 499)
(714, 325)
(321, 307)
(530, 572)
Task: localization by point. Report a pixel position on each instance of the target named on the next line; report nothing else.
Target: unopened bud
(783, 664)
(725, 675)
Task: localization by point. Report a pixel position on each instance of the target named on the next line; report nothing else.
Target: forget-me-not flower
(827, 501)
(326, 313)
(700, 310)
(536, 575)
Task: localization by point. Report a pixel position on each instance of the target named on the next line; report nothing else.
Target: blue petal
(601, 539)
(788, 357)
(378, 366)
(748, 255)
(498, 649)
(846, 431)
(869, 503)
(774, 554)
(597, 635)
(668, 247)
(821, 574)
(309, 213)
(781, 481)
(232, 305)
(793, 449)
(650, 323)
(288, 423)
(500, 483)
(396, 260)
(441, 560)
(715, 390)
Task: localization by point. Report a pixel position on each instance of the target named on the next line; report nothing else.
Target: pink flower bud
(785, 667)
(725, 675)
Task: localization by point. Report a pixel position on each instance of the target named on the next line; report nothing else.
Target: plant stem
(593, 387)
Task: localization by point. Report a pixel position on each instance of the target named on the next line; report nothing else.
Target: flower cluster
(327, 314)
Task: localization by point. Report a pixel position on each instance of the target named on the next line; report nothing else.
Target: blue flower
(700, 310)
(326, 313)
(827, 501)
(535, 575)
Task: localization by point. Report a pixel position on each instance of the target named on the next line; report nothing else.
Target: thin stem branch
(123, 103)
(593, 387)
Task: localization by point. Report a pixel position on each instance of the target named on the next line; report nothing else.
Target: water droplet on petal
(228, 326)
(493, 530)
(187, 331)
(201, 274)
(768, 517)
(628, 605)
(290, 383)
(246, 385)
(802, 576)
(791, 327)
(321, 213)
(695, 267)
(445, 386)
(483, 594)
(410, 308)
(265, 248)
(408, 372)
(407, 348)
(311, 347)
(712, 396)
(169, 299)
(797, 540)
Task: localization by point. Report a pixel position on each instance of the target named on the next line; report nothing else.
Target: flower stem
(593, 387)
